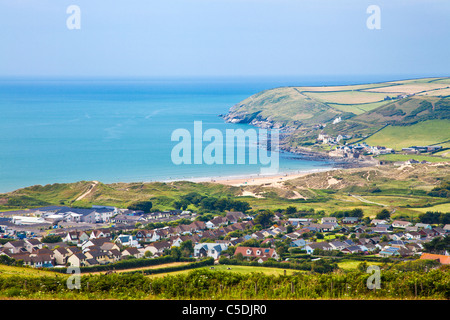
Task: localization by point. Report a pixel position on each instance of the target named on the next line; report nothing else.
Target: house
(127, 219)
(127, 240)
(235, 216)
(423, 225)
(413, 235)
(376, 222)
(252, 252)
(350, 220)
(33, 244)
(39, 261)
(330, 220)
(158, 247)
(353, 249)
(439, 231)
(216, 222)
(209, 249)
(132, 251)
(77, 260)
(400, 224)
(99, 255)
(95, 234)
(17, 246)
(75, 237)
(317, 245)
(437, 257)
(388, 251)
(338, 245)
(300, 243)
(447, 228)
(61, 254)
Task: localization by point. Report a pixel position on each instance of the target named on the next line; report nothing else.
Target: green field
(421, 134)
(235, 269)
(406, 157)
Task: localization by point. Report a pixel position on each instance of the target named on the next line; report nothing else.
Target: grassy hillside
(365, 110)
(423, 133)
(400, 189)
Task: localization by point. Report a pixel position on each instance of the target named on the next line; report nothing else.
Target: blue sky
(165, 38)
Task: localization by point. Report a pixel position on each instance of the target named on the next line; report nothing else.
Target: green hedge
(203, 263)
(126, 264)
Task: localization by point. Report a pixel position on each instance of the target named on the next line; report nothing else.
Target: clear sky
(156, 38)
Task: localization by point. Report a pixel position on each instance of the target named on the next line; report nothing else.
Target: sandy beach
(255, 179)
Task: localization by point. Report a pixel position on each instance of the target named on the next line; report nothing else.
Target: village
(55, 236)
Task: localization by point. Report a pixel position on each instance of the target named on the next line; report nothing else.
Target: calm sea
(118, 130)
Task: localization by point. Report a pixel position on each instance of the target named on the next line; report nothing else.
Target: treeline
(212, 284)
(435, 217)
(128, 264)
(210, 203)
(442, 191)
(319, 266)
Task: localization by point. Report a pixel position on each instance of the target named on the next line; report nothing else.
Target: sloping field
(420, 134)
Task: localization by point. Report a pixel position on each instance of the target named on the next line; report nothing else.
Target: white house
(127, 240)
(209, 249)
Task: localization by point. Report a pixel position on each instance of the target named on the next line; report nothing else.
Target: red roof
(442, 259)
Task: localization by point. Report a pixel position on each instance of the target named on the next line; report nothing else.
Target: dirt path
(90, 189)
(367, 201)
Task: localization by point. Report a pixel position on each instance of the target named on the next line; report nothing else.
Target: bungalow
(332, 220)
(401, 224)
(209, 249)
(338, 245)
(251, 252)
(126, 219)
(350, 220)
(376, 222)
(389, 252)
(423, 225)
(317, 245)
(352, 249)
(300, 243)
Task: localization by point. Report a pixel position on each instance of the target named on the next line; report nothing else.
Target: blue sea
(119, 130)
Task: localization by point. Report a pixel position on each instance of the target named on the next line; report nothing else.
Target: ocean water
(57, 131)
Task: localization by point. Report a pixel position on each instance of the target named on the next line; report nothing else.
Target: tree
(264, 218)
(187, 248)
(52, 238)
(145, 206)
(383, 214)
(291, 210)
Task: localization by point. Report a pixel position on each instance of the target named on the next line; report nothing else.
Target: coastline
(254, 179)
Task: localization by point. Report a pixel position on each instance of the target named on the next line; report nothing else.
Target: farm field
(8, 271)
(234, 268)
(424, 133)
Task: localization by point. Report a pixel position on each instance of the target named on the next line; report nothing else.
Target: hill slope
(304, 112)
